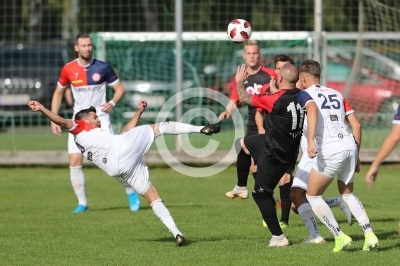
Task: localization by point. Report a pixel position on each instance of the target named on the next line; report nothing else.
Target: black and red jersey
(284, 119)
(255, 84)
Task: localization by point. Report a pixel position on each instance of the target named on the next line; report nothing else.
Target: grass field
(37, 227)
(41, 138)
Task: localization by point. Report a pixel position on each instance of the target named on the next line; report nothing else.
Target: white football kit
(337, 150)
(88, 86)
(119, 156)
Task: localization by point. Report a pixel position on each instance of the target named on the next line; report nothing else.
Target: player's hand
(273, 86)
(224, 115)
(35, 106)
(312, 149)
(241, 73)
(141, 106)
(107, 107)
(56, 129)
(371, 176)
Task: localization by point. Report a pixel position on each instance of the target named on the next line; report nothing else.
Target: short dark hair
(82, 36)
(283, 58)
(311, 67)
(84, 112)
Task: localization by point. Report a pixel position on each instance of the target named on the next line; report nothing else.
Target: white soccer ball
(239, 31)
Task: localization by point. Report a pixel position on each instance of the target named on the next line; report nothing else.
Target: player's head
(280, 60)
(84, 46)
(252, 54)
(310, 73)
(288, 75)
(89, 115)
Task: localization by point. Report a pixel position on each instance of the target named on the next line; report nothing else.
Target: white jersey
(98, 146)
(332, 133)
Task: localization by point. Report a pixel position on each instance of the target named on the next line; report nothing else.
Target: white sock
(334, 201)
(78, 184)
(175, 128)
(307, 215)
(128, 188)
(358, 211)
(163, 214)
(324, 213)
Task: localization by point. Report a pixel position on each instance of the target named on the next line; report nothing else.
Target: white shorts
(343, 164)
(105, 124)
(134, 145)
(303, 172)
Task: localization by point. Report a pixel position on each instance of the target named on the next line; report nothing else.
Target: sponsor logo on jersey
(334, 117)
(77, 81)
(96, 77)
(84, 89)
(256, 89)
(90, 156)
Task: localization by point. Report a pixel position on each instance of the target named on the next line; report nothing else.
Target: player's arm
(356, 129)
(259, 122)
(312, 121)
(241, 76)
(68, 96)
(135, 119)
(387, 147)
(231, 106)
(357, 132)
(55, 118)
(119, 92)
(55, 107)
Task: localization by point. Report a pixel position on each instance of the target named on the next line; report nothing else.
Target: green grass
(37, 227)
(41, 138)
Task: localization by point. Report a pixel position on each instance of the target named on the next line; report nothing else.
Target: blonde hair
(251, 42)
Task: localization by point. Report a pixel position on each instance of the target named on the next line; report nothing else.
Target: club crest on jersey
(96, 77)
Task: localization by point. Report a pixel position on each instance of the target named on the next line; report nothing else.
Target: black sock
(266, 205)
(242, 167)
(285, 202)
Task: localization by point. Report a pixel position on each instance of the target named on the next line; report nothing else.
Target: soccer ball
(239, 31)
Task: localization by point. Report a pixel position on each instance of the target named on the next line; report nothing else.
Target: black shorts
(251, 132)
(269, 170)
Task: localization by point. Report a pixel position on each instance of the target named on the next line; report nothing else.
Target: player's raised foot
(283, 225)
(278, 241)
(134, 201)
(314, 240)
(180, 241)
(211, 129)
(80, 208)
(346, 210)
(240, 192)
(341, 242)
(371, 241)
